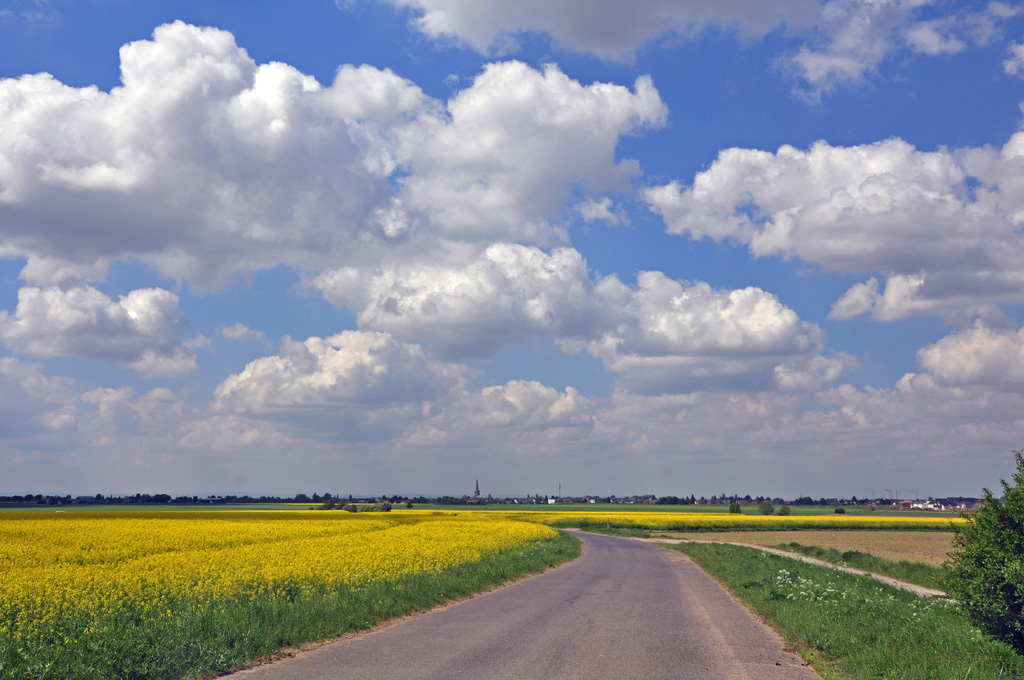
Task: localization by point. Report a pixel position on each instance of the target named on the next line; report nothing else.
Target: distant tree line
(163, 499)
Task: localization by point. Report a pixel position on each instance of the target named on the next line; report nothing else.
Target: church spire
(476, 494)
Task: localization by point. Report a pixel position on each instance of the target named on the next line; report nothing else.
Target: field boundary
(888, 580)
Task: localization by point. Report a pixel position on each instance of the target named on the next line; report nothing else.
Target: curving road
(625, 609)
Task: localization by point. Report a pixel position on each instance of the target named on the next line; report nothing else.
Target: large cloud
(518, 144)
(205, 164)
(346, 372)
(977, 356)
(508, 294)
(201, 162)
(143, 330)
(662, 335)
(500, 411)
(942, 226)
(667, 336)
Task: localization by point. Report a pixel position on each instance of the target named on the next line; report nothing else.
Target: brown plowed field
(930, 547)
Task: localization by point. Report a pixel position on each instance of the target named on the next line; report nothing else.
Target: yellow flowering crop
(706, 521)
(72, 572)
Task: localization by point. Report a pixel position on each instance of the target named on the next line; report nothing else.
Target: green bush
(783, 510)
(840, 510)
(987, 562)
(766, 507)
(734, 508)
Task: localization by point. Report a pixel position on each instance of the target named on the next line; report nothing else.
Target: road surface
(625, 609)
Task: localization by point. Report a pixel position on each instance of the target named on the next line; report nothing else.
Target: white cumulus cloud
(233, 166)
(144, 329)
(346, 372)
(509, 293)
(942, 226)
(518, 406)
(516, 145)
(977, 356)
(661, 335)
(669, 336)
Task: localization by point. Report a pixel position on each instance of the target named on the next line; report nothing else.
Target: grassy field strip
(854, 628)
(929, 547)
(888, 580)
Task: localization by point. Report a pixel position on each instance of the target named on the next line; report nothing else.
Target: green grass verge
(625, 532)
(918, 573)
(852, 627)
(204, 643)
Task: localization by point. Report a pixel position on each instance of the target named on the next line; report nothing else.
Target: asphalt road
(625, 609)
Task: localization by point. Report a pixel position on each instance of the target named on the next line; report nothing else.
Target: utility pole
(890, 497)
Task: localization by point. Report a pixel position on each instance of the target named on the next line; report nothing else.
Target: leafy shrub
(734, 508)
(840, 510)
(783, 510)
(987, 562)
(766, 507)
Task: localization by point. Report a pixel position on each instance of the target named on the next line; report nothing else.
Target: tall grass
(206, 642)
(852, 627)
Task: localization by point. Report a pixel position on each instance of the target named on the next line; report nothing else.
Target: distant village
(948, 504)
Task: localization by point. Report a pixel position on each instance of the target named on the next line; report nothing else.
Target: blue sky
(399, 245)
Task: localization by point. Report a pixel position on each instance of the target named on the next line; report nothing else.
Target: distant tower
(476, 494)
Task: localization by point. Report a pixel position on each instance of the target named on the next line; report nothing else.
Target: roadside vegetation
(191, 596)
(918, 573)
(852, 627)
(619, 531)
(987, 563)
(929, 547)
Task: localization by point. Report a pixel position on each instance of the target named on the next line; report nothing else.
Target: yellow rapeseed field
(703, 521)
(68, 574)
